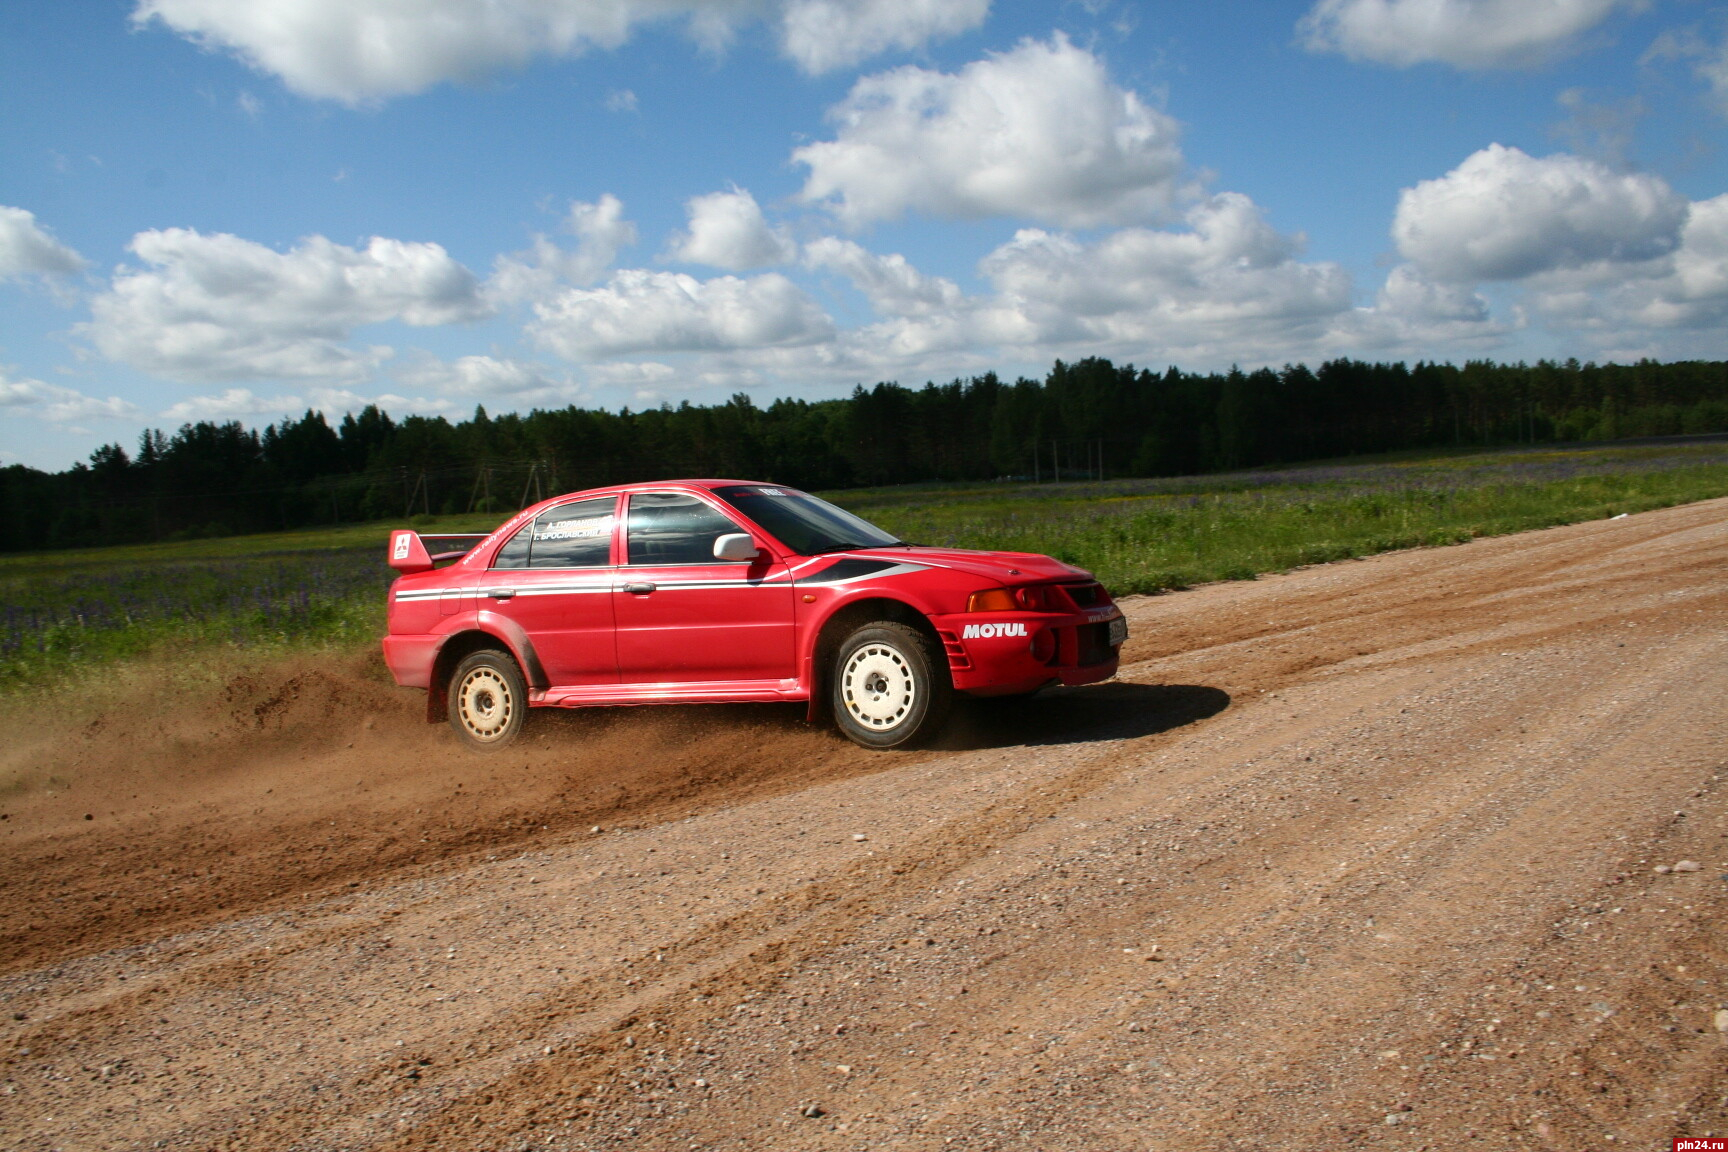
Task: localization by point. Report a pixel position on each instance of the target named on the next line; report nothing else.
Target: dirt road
(1373, 855)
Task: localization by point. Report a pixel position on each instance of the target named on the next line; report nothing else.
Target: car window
(802, 522)
(669, 528)
(575, 535)
(514, 554)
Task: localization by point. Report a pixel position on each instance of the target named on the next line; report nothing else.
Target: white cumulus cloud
(1407, 294)
(822, 35)
(1413, 315)
(600, 230)
(1464, 33)
(247, 406)
(727, 230)
(56, 403)
(239, 404)
(1230, 278)
(1694, 291)
(1618, 259)
(659, 312)
(1636, 304)
(1038, 132)
(490, 378)
(891, 284)
(26, 248)
(1228, 287)
(360, 50)
(217, 307)
(1504, 215)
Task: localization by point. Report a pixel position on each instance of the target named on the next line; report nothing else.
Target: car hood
(1002, 567)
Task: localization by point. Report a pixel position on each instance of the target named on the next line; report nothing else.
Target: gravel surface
(1425, 851)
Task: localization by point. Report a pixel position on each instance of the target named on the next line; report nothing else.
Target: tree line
(1090, 418)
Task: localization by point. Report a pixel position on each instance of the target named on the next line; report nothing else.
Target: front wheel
(891, 686)
(488, 700)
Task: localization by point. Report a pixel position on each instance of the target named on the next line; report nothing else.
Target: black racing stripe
(850, 569)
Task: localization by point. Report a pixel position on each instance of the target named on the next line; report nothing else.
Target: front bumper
(1003, 653)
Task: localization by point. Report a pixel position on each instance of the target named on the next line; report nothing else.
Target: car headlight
(1032, 598)
(992, 600)
(1037, 598)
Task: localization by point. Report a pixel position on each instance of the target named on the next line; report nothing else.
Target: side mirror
(736, 546)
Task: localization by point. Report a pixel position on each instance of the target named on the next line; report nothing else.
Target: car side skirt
(705, 692)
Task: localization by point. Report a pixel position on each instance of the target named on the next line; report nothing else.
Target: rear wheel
(488, 700)
(891, 686)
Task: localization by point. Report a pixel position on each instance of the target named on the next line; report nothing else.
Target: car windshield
(801, 522)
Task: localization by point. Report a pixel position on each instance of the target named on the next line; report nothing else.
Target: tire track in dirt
(212, 813)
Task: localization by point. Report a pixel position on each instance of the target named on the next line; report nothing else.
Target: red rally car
(700, 591)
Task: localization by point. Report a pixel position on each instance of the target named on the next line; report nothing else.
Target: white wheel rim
(878, 687)
(485, 704)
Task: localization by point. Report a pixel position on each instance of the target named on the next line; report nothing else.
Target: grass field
(1159, 535)
(68, 614)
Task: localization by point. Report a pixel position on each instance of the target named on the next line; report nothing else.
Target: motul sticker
(404, 541)
(986, 631)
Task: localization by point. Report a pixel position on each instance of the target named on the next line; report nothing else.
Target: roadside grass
(1165, 543)
(65, 615)
(68, 617)
(67, 620)
(345, 537)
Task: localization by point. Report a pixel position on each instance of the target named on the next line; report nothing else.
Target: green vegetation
(1156, 536)
(67, 614)
(1084, 420)
(309, 540)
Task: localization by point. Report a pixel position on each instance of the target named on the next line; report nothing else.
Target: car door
(685, 617)
(554, 578)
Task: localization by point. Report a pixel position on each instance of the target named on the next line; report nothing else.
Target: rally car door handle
(639, 587)
(501, 593)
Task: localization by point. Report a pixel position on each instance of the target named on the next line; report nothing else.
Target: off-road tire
(488, 700)
(890, 686)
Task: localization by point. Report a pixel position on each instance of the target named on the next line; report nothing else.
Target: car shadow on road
(1116, 711)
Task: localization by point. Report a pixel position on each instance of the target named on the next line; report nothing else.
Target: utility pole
(533, 483)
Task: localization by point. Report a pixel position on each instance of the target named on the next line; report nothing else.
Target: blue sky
(221, 211)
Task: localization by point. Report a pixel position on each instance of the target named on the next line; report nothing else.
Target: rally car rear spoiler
(409, 551)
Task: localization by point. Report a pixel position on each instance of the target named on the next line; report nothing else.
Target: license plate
(1118, 631)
